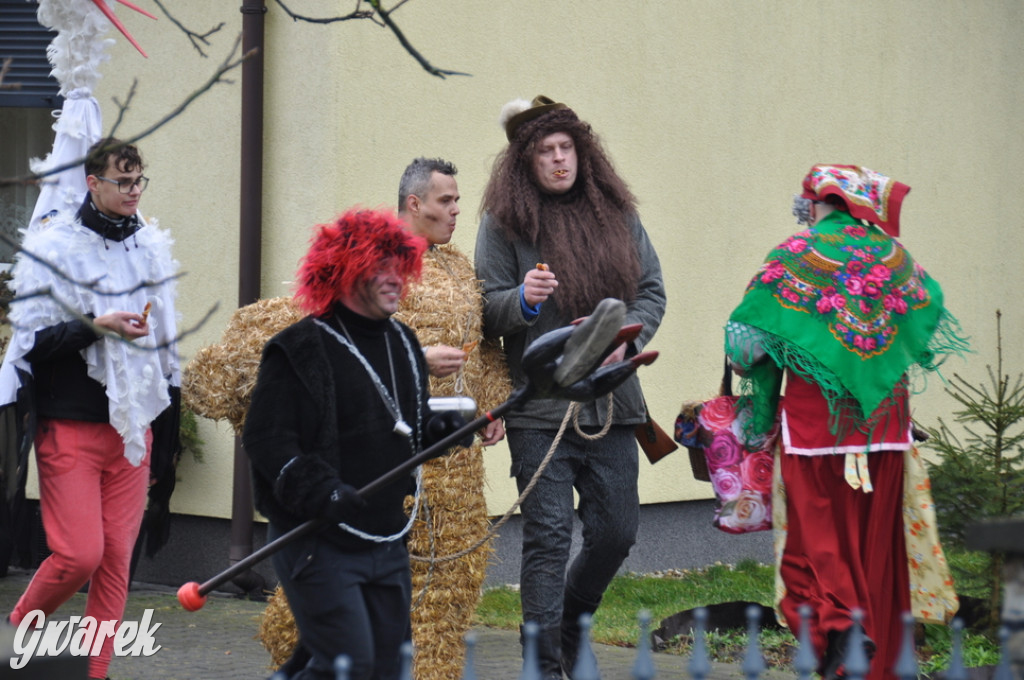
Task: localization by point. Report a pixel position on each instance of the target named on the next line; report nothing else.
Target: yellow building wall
(712, 110)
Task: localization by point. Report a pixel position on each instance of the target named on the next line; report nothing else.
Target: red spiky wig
(350, 251)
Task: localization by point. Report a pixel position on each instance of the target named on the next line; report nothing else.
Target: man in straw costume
(445, 309)
(560, 232)
(340, 400)
(845, 312)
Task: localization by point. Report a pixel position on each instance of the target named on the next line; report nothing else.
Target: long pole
(192, 595)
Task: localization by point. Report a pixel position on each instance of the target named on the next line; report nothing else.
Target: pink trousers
(92, 501)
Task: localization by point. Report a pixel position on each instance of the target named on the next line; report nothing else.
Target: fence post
(806, 661)
(469, 667)
(753, 661)
(643, 667)
(700, 665)
(906, 663)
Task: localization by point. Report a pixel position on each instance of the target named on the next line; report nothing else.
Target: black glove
(343, 503)
(443, 424)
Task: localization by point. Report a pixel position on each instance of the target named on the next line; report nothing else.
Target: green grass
(668, 595)
(615, 623)
(662, 595)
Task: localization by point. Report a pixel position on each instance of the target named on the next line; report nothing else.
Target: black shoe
(573, 608)
(832, 666)
(296, 662)
(548, 650)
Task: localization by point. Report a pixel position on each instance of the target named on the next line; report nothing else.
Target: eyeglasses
(125, 186)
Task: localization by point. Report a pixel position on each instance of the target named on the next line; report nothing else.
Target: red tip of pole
(136, 8)
(189, 597)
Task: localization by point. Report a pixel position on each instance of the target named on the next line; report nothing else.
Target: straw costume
(847, 314)
(446, 307)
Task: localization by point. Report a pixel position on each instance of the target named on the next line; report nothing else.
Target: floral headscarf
(869, 195)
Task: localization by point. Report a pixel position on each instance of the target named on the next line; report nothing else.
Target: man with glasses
(92, 359)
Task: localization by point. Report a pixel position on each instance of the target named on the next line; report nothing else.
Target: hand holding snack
(538, 284)
(443, 360)
(123, 324)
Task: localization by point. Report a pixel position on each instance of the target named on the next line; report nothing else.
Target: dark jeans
(604, 473)
(352, 603)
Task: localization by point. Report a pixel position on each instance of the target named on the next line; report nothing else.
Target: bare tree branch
(193, 37)
(91, 286)
(122, 108)
(430, 68)
(385, 20)
(229, 64)
(354, 14)
(99, 330)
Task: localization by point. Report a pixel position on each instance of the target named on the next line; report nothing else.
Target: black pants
(351, 603)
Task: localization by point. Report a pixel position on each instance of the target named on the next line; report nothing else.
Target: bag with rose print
(688, 431)
(740, 467)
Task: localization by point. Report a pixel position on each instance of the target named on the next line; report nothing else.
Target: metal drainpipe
(249, 265)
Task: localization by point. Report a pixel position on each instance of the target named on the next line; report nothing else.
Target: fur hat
(519, 111)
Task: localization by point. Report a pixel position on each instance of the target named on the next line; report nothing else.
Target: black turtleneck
(368, 336)
(109, 228)
(314, 400)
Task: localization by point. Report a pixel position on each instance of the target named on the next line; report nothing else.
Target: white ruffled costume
(96, 277)
(136, 375)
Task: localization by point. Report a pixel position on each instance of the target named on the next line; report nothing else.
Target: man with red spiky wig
(340, 400)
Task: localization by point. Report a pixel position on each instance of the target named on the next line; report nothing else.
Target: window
(25, 118)
(24, 41)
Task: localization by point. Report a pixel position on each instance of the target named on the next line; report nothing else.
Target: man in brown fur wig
(445, 309)
(559, 233)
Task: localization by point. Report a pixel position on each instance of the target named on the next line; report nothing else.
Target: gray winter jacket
(501, 266)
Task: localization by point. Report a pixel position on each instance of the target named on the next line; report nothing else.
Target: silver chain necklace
(401, 427)
(390, 399)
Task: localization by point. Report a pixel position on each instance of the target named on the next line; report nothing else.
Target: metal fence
(855, 661)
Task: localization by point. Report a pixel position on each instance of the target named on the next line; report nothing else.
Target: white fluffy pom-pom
(514, 107)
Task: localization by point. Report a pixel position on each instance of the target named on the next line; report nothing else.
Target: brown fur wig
(583, 234)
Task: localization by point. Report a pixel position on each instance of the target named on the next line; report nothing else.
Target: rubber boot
(572, 608)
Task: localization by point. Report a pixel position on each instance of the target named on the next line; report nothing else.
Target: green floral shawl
(846, 306)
